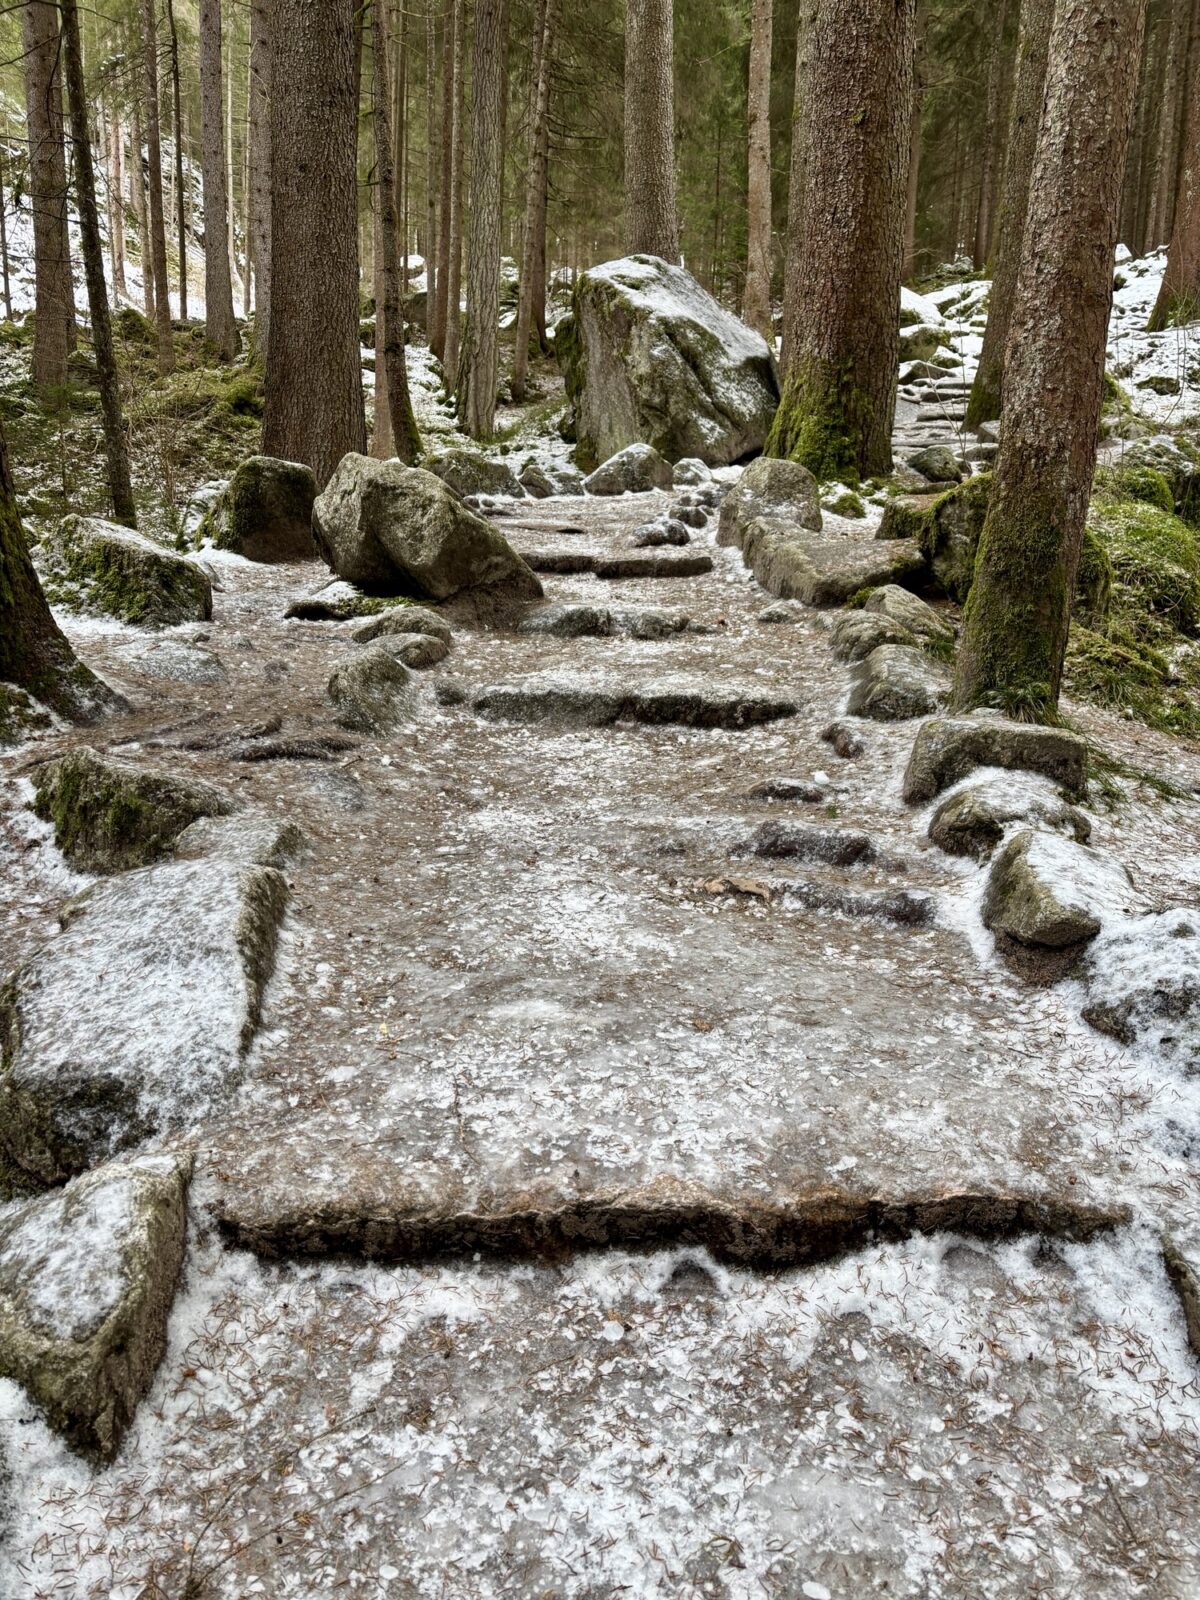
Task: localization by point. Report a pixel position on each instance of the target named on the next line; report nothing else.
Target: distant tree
(1179, 298)
(839, 397)
(437, 308)
(400, 423)
(181, 208)
(533, 249)
(260, 168)
(1034, 50)
(1019, 610)
(137, 199)
(478, 364)
(806, 16)
(157, 227)
(651, 221)
(756, 303)
(314, 401)
(53, 328)
(220, 327)
(453, 340)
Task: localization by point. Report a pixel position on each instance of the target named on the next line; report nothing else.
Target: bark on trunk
(1171, 109)
(158, 236)
(914, 152)
(839, 398)
(437, 325)
(1019, 611)
(8, 305)
(260, 169)
(1033, 50)
(220, 327)
(479, 358)
(180, 193)
(1179, 298)
(454, 275)
(431, 163)
(402, 425)
(116, 448)
(314, 400)
(535, 194)
(116, 207)
(137, 195)
(806, 15)
(756, 305)
(993, 138)
(53, 294)
(651, 225)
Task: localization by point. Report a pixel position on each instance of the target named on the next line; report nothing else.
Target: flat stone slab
(661, 563)
(87, 1277)
(137, 1018)
(947, 749)
(585, 704)
(826, 569)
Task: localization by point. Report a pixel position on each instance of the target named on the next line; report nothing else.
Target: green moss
(129, 324)
(848, 504)
(1154, 557)
(1135, 483)
(822, 423)
(858, 600)
(19, 715)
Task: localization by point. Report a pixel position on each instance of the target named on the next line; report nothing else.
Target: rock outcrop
(266, 512)
(99, 567)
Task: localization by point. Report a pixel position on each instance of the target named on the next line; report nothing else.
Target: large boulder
(470, 472)
(99, 567)
(136, 1019)
(87, 1277)
(266, 512)
(399, 530)
(110, 816)
(637, 469)
(770, 489)
(948, 749)
(649, 355)
(1047, 891)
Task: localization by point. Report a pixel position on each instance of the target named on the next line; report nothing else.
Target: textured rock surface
(584, 704)
(650, 356)
(138, 1016)
(896, 682)
(824, 569)
(1050, 892)
(98, 567)
(947, 749)
(470, 472)
(1143, 983)
(87, 1278)
(266, 512)
(636, 469)
(383, 525)
(373, 692)
(783, 490)
(910, 611)
(973, 818)
(109, 815)
(398, 620)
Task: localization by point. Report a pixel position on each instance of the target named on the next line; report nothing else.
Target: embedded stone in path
(856, 634)
(910, 611)
(896, 682)
(250, 839)
(635, 470)
(665, 563)
(1181, 1257)
(1143, 985)
(87, 1278)
(803, 790)
(825, 569)
(1049, 892)
(373, 692)
(566, 620)
(109, 815)
(973, 819)
(584, 704)
(137, 1017)
(836, 847)
(770, 489)
(99, 567)
(401, 619)
(947, 749)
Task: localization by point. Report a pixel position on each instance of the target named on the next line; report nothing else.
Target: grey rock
(565, 705)
(1181, 1257)
(340, 602)
(650, 625)
(910, 611)
(99, 567)
(650, 356)
(690, 516)
(566, 621)
(896, 682)
(470, 472)
(825, 570)
(803, 790)
(137, 1017)
(834, 847)
(973, 819)
(110, 816)
(653, 564)
(653, 535)
(398, 620)
(417, 650)
(770, 489)
(856, 634)
(373, 692)
(783, 611)
(386, 526)
(543, 482)
(87, 1278)
(691, 472)
(248, 840)
(583, 705)
(948, 749)
(635, 470)
(846, 740)
(266, 512)
(1143, 986)
(938, 463)
(1049, 892)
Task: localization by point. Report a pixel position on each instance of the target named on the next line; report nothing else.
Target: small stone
(845, 739)
(667, 530)
(416, 650)
(780, 491)
(895, 683)
(791, 789)
(690, 516)
(651, 625)
(1046, 891)
(566, 621)
(401, 619)
(692, 472)
(373, 692)
(470, 472)
(783, 611)
(937, 463)
(835, 847)
(1143, 986)
(451, 692)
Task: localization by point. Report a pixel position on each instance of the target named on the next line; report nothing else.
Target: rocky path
(882, 1308)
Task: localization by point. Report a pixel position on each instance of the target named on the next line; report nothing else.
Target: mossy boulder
(948, 749)
(896, 682)
(920, 342)
(1051, 893)
(266, 512)
(1155, 557)
(470, 472)
(973, 818)
(1135, 482)
(373, 692)
(649, 356)
(637, 469)
(110, 816)
(781, 492)
(98, 567)
(87, 1278)
(131, 326)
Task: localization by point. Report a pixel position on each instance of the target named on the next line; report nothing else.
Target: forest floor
(696, 1179)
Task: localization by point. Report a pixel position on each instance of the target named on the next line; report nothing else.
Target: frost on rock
(94, 566)
(972, 819)
(1048, 891)
(948, 749)
(649, 355)
(1143, 985)
(87, 1277)
(137, 1017)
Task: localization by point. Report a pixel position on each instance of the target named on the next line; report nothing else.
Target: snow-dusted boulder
(399, 530)
(948, 749)
(637, 469)
(1048, 891)
(398, 620)
(87, 1277)
(896, 682)
(973, 818)
(266, 512)
(470, 472)
(649, 355)
(373, 692)
(782, 491)
(910, 611)
(95, 566)
(137, 1017)
(1143, 982)
(824, 569)
(856, 634)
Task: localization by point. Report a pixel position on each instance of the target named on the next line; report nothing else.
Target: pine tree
(533, 252)
(1179, 298)
(651, 222)
(157, 226)
(54, 295)
(478, 366)
(402, 431)
(756, 304)
(260, 169)
(218, 285)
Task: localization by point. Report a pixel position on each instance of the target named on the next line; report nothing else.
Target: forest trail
(538, 993)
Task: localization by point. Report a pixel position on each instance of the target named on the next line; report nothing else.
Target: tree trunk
(180, 202)
(314, 400)
(479, 358)
(260, 168)
(535, 193)
(431, 163)
(1019, 610)
(116, 448)
(158, 237)
(137, 194)
(116, 207)
(756, 306)
(1179, 298)
(8, 305)
(54, 296)
(1170, 121)
(806, 16)
(992, 136)
(651, 225)
(220, 327)
(437, 321)
(454, 274)
(1033, 51)
(839, 399)
(401, 424)
(916, 122)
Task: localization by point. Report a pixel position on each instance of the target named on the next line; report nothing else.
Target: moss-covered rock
(1052, 893)
(782, 492)
(948, 749)
(110, 816)
(95, 566)
(266, 512)
(1136, 483)
(1155, 557)
(130, 325)
(87, 1278)
(973, 819)
(470, 472)
(920, 342)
